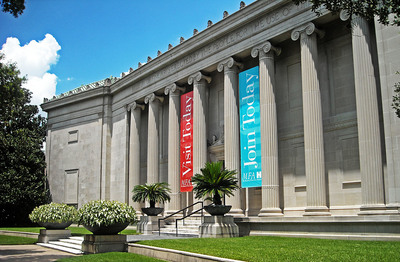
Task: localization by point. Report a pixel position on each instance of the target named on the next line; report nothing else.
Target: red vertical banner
(186, 142)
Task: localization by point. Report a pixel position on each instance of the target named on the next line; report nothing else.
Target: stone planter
(94, 244)
(50, 225)
(47, 235)
(152, 211)
(217, 210)
(107, 230)
(218, 227)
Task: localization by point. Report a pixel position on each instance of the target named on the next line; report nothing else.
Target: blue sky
(90, 40)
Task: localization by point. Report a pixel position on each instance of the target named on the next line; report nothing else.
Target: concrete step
(183, 227)
(72, 241)
(66, 244)
(180, 234)
(61, 248)
(191, 230)
(71, 245)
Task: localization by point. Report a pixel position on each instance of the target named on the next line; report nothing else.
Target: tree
(22, 162)
(214, 182)
(14, 7)
(154, 193)
(368, 9)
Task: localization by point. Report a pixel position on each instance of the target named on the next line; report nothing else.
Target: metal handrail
(184, 215)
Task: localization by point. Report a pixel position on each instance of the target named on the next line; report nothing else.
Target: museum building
(328, 144)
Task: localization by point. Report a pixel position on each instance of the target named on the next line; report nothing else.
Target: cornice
(75, 98)
(208, 35)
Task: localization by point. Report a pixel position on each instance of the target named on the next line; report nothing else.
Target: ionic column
(174, 146)
(231, 127)
(134, 151)
(152, 132)
(199, 82)
(312, 115)
(269, 130)
(369, 138)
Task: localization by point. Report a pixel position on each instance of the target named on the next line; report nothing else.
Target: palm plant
(214, 182)
(157, 192)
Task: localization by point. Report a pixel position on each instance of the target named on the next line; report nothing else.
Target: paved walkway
(30, 253)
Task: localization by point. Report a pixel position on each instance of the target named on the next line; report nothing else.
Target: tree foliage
(22, 162)
(365, 8)
(14, 7)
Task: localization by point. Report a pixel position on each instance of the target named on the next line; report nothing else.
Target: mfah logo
(186, 142)
(250, 137)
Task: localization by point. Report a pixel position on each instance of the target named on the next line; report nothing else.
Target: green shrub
(53, 213)
(105, 212)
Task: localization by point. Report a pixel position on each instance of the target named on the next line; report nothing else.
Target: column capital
(197, 77)
(344, 15)
(264, 49)
(134, 105)
(152, 97)
(308, 28)
(228, 63)
(169, 90)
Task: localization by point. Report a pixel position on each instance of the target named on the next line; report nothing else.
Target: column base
(379, 209)
(148, 224)
(394, 207)
(269, 212)
(317, 211)
(237, 212)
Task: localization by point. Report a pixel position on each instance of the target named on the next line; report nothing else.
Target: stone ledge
(333, 226)
(340, 236)
(174, 255)
(330, 219)
(19, 234)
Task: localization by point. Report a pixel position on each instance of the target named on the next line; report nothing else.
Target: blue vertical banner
(250, 134)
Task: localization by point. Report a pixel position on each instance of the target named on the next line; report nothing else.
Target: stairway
(71, 245)
(189, 227)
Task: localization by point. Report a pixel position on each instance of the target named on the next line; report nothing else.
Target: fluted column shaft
(199, 82)
(313, 126)
(152, 144)
(134, 151)
(367, 118)
(269, 131)
(173, 147)
(231, 127)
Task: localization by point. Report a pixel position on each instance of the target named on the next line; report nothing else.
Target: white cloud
(34, 60)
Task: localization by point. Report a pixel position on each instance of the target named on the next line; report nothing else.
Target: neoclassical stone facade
(330, 139)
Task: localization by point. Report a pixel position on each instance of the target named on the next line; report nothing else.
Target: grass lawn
(285, 249)
(75, 231)
(112, 256)
(11, 240)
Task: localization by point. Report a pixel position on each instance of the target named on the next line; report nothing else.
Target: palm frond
(215, 182)
(157, 192)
